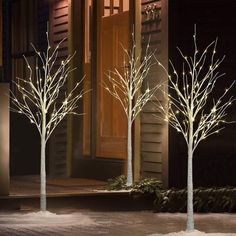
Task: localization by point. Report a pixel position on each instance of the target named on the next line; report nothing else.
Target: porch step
(102, 201)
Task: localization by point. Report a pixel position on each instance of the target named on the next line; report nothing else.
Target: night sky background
(215, 157)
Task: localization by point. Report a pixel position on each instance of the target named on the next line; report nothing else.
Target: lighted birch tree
(188, 109)
(38, 98)
(128, 88)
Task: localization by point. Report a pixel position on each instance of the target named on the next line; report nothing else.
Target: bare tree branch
(189, 94)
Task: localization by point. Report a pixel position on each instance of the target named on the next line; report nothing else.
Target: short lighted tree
(127, 86)
(38, 95)
(187, 110)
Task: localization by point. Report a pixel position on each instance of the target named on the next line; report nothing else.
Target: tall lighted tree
(127, 87)
(188, 109)
(37, 97)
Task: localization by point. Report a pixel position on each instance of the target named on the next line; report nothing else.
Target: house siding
(58, 142)
(154, 154)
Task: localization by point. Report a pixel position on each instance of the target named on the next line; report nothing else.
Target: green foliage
(117, 183)
(143, 187)
(146, 186)
(175, 200)
(204, 200)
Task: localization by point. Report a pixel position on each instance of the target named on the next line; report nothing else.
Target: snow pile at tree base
(48, 218)
(194, 233)
(41, 214)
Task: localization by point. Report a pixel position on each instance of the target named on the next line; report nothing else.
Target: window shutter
(58, 141)
(154, 161)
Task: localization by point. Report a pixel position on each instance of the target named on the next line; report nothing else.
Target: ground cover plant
(205, 200)
(146, 186)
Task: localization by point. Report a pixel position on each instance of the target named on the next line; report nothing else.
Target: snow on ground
(74, 222)
(203, 222)
(45, 224)
(47, 218)
(194, 233)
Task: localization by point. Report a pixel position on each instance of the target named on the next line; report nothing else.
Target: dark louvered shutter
(154, 155)
(58, 140)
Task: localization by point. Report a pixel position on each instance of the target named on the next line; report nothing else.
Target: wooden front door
(111, 119)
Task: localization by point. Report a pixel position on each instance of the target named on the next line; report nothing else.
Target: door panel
(111, 119)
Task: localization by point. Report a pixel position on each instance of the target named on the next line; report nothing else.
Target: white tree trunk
(129, 153)
(190, 220)
(43, 203)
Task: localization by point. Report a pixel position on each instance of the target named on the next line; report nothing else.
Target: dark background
(24, 137)
(215, 157)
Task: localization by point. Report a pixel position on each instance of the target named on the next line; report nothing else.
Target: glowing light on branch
(129, 89)
(193, 89)
(45, 83)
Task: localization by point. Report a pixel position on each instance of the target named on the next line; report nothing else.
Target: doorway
(111, 120)
(106, 28)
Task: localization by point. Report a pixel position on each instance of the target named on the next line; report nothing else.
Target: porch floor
(29, 185)
(73, 193)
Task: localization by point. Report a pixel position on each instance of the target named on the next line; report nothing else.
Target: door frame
(75, 43)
